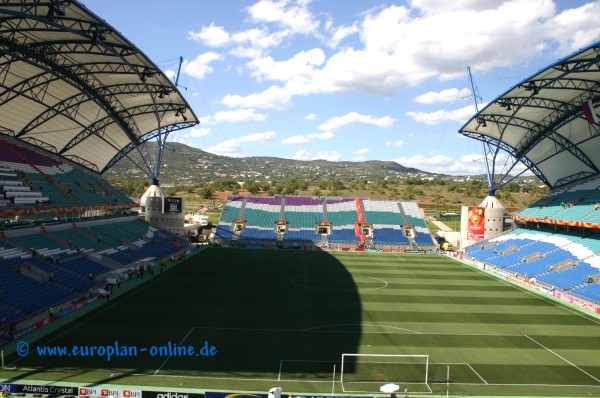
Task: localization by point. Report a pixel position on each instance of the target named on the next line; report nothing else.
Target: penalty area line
(564, 359)
(477, 373)
(169, 357)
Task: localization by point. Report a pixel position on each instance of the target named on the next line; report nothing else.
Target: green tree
(206, 193)
(252, 187)
(337, 185)
(512, 187)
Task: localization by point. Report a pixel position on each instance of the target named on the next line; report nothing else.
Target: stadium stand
(568, 246)
(57, 214)
(46, 259)
(302, 214)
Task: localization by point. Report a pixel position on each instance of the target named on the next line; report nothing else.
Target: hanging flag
(588, 111)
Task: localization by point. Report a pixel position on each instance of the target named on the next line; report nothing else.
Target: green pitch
(245, 319)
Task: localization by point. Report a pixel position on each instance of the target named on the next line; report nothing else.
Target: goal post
(367, 372)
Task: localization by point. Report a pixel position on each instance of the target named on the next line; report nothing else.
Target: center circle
(321, 282)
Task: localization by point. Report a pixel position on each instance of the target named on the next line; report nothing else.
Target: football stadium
(101, 296)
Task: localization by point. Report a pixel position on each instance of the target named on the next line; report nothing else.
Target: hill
(184, 164)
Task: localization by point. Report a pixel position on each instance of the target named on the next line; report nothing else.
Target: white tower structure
(481, 222)
(162, 211)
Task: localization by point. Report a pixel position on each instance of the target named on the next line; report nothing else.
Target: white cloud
(401, 46)
(264, 137)
(293, 15)
(327, 135)
(240, 116)
(398, 143)
(472, 157)
(478, 157)
(295, 139)
(340, 33)
(300, 66)
(438, 163)
(361, 151)
(206, 119)
(199, 132)
(447, 95)
(301, 155)
(233, 148)
(481, 36)
(200, 67)
(354, 118)
(246, 52)
(272, 98)
(456, 115)
(503, 163)
(437, 6)
(575, 28)
(310, 116)
(170, 73)
(302, 139)
(251, 43)
(332, 156)
(230, 148)
(212, 36)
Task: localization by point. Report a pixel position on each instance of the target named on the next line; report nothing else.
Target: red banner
(578, 302)
(476, 223)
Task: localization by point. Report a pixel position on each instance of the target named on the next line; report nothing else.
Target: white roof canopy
(541, 122)
(74, 86)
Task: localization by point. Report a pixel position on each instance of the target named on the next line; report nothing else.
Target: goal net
(368, 372)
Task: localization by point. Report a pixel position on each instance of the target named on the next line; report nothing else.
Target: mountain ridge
(183, 163)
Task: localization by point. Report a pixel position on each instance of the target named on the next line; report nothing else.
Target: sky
(348, 80)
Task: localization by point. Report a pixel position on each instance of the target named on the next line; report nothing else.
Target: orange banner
(476, 223)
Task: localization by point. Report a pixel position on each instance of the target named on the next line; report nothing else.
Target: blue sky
(348, 79)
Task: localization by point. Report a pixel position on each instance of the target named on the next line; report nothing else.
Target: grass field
(283, 318)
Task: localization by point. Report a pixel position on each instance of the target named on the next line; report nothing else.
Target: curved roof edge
(72, 85)
(548, 121)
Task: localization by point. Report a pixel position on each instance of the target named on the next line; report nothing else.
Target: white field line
(169, 357)
(564, 359)
(478, 375)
